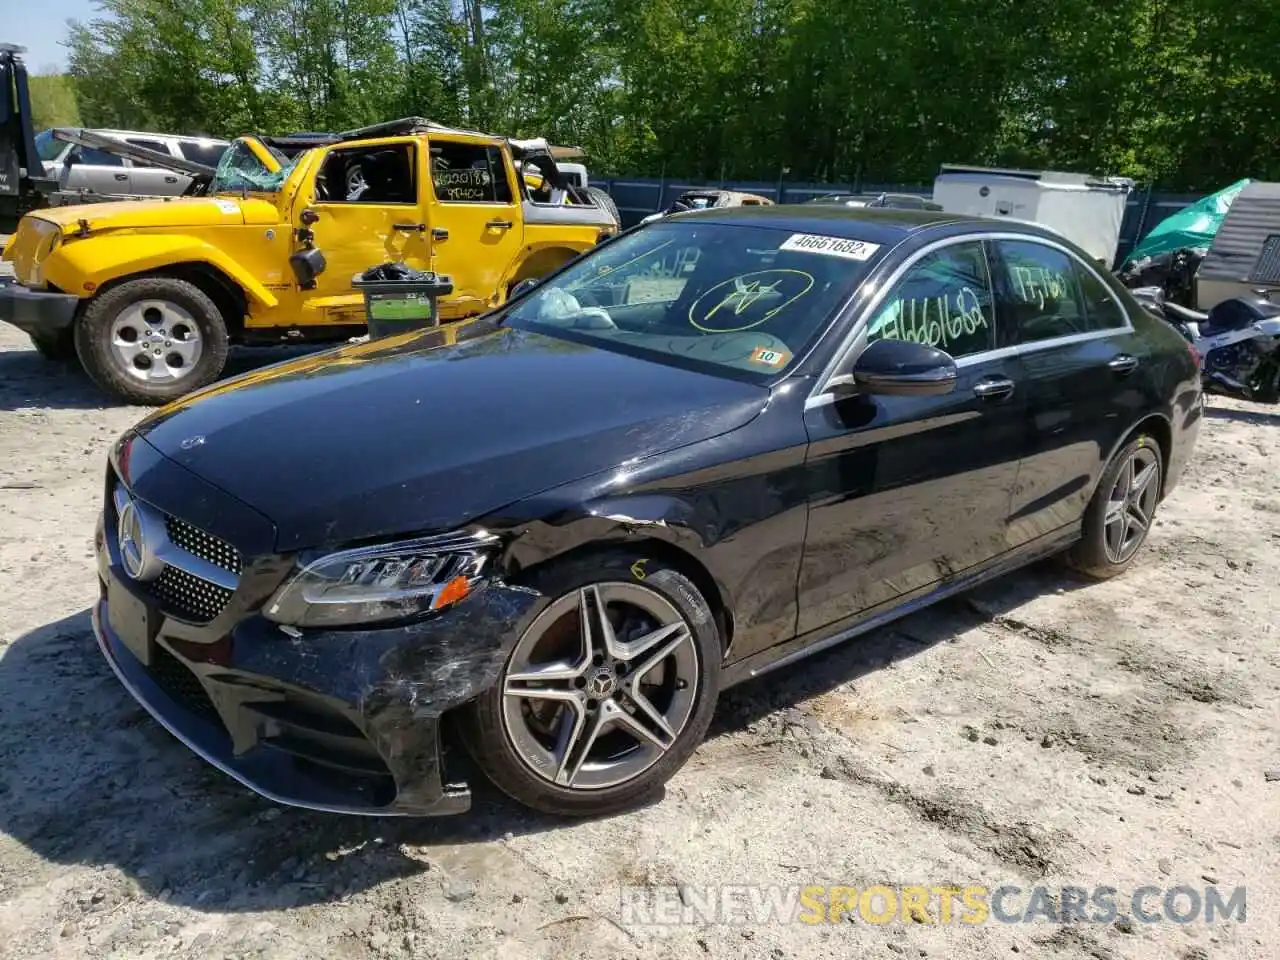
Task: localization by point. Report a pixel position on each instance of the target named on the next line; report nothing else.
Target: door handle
(993, 388)
(499, 225)
(410, 227)
(170, 179)
(439, 233)
(1123, 364)
(122, 177)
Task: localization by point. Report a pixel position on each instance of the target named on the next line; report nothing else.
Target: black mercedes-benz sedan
(708, 448)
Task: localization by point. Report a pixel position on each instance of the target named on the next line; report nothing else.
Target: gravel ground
(1037, 731)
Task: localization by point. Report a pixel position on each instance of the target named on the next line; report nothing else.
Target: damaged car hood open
(431, 439)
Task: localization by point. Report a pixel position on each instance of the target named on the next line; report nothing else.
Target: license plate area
(133, 621)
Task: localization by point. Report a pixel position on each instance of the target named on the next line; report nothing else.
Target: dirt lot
(1038, 731)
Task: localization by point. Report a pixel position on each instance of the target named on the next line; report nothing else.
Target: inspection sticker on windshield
(830, 246)
(769, 357)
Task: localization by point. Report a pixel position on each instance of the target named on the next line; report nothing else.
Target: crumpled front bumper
(341, 721)
(36, 311)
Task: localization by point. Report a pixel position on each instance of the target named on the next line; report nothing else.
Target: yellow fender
(83, 266)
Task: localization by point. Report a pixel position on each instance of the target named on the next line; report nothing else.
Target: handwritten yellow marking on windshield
(746, 290)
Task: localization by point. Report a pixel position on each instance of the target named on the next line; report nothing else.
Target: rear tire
(58, 345)
(1119, 517)
(541, 750)
(152, 340)
(606, 202)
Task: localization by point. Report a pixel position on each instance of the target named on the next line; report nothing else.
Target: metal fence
(637, 197)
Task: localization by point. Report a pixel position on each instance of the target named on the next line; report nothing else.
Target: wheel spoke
(597, 631)
(1125, 481)
(127, 348)
(674, 633)
(188, 350)
(621, 718)
(645, 706)
(572, 720)
(1115, 508)
(678, 635)
(1116, 532)
(1136, 516)
(1142, 482)
(516, 686)
(597, 727)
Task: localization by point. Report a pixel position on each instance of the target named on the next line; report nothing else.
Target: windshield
(47, 147)
(734, 299)
(241, 169)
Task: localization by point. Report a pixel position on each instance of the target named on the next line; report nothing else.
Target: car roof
(881, 225)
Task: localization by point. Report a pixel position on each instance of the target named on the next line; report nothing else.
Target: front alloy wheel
(606, 692)
(600, 686)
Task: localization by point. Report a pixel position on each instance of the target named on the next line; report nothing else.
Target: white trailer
(1086, 210)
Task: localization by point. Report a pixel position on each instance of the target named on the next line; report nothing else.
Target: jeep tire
(152, 340)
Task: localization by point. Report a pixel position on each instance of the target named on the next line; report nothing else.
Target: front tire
(588, 722)
(1119, 517)
(152, 340)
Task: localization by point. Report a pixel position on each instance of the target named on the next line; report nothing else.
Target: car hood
(178, 212)
(407, 435)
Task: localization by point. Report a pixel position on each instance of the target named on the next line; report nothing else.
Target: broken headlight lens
(393, 581)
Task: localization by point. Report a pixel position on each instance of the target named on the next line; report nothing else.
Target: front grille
(188, 596)
(171, 676)
(203, 545)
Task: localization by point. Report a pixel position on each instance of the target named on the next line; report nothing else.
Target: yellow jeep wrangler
(150, 294)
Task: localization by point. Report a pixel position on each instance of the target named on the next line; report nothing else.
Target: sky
(41, 27)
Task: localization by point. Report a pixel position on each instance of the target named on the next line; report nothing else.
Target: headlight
(391, 581)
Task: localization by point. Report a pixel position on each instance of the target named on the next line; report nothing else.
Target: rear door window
(1044, 293)
(944, 300)
(1100, 304)
(469, 173)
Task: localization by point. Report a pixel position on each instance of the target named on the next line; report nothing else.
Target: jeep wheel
(152, 340)
(607, 692)
(55, 344)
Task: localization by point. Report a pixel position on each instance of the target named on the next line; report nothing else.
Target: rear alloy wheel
(606, 693)
(152, 340)
(1122, 510)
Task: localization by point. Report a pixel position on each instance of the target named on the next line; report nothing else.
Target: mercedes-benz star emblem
(601, 684)
(136, 554)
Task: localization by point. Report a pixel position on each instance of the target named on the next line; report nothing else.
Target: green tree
(53, 102)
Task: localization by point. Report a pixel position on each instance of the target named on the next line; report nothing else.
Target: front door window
(943, 300)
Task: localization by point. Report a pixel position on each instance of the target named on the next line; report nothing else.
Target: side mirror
(523, 287)
(899, 368)
(307, 265)
(73, 156)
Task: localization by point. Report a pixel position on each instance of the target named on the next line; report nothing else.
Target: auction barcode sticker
(831, 246)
